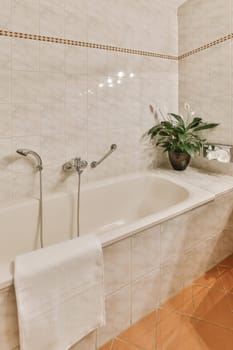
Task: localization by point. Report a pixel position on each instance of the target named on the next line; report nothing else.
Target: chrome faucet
(75, 164)
(95, 163)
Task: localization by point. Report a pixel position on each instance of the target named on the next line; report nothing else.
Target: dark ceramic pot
(179, 160)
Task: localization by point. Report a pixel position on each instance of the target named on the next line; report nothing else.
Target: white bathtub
(114, 209)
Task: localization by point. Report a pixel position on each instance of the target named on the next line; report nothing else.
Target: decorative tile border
(206, 46)
(85, 44)
(114, 48)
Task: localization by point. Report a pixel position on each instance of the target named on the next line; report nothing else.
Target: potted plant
(179, 136)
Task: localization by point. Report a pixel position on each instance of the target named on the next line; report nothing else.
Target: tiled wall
(143, 271)
(51, 94)
(205, 78)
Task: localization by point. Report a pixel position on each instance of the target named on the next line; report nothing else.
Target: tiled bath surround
(51, 95)
(205, 78)
(145, 270)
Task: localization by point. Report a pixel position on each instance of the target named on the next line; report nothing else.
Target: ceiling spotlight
(118, 81)
(109, 80)
(101, 85)
(131, 75)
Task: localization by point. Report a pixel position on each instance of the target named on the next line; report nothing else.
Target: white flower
(189, 112)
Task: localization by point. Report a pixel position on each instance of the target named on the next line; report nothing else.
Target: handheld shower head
(25, 152)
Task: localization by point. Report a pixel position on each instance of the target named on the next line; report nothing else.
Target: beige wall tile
(25, 118)
(172, 272)
(173, 236)
(117, 315)
(25, 16)
(52, 118)
(52, 57)
(6, 179)
(25, 55)
(51, 87)
(52, 20)
(5, 86)
(5, 57)
(25, 87)
(145, 252)
(76, 19)
(76, 88)
(87, 343)
(8, 324)
(5, 120)
(76, 60)
(5, 151)
(53, 149)
(5, 15)
(145, 295)
(116, 266)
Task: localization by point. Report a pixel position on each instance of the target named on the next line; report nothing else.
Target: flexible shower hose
(41, 212)
(78, 203)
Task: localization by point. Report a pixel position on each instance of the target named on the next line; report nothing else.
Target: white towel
(60, 294)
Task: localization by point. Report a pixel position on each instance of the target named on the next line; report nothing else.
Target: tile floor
(200, 317)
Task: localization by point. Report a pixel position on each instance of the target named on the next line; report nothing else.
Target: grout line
(131, 280)
(129, 343)
(112, 343)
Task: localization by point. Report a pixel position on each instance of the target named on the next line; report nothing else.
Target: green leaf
(178, 118)
(163, 133)
(156, 127)
(206, 126)
(194, 123)
(190, 150)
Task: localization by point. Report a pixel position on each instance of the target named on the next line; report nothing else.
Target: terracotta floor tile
(211, 278)
(141, 333)
(120, 345)
(212, 337)
(227, 278)
(198, 318)
(162, 314)
(181, 302)
(177, 332)
(213, 305)
(227, 262)
(230, 299)
(106, 346)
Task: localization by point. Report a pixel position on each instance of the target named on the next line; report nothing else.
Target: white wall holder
(221, 153)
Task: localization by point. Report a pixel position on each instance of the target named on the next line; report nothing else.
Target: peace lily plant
(179, 135)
